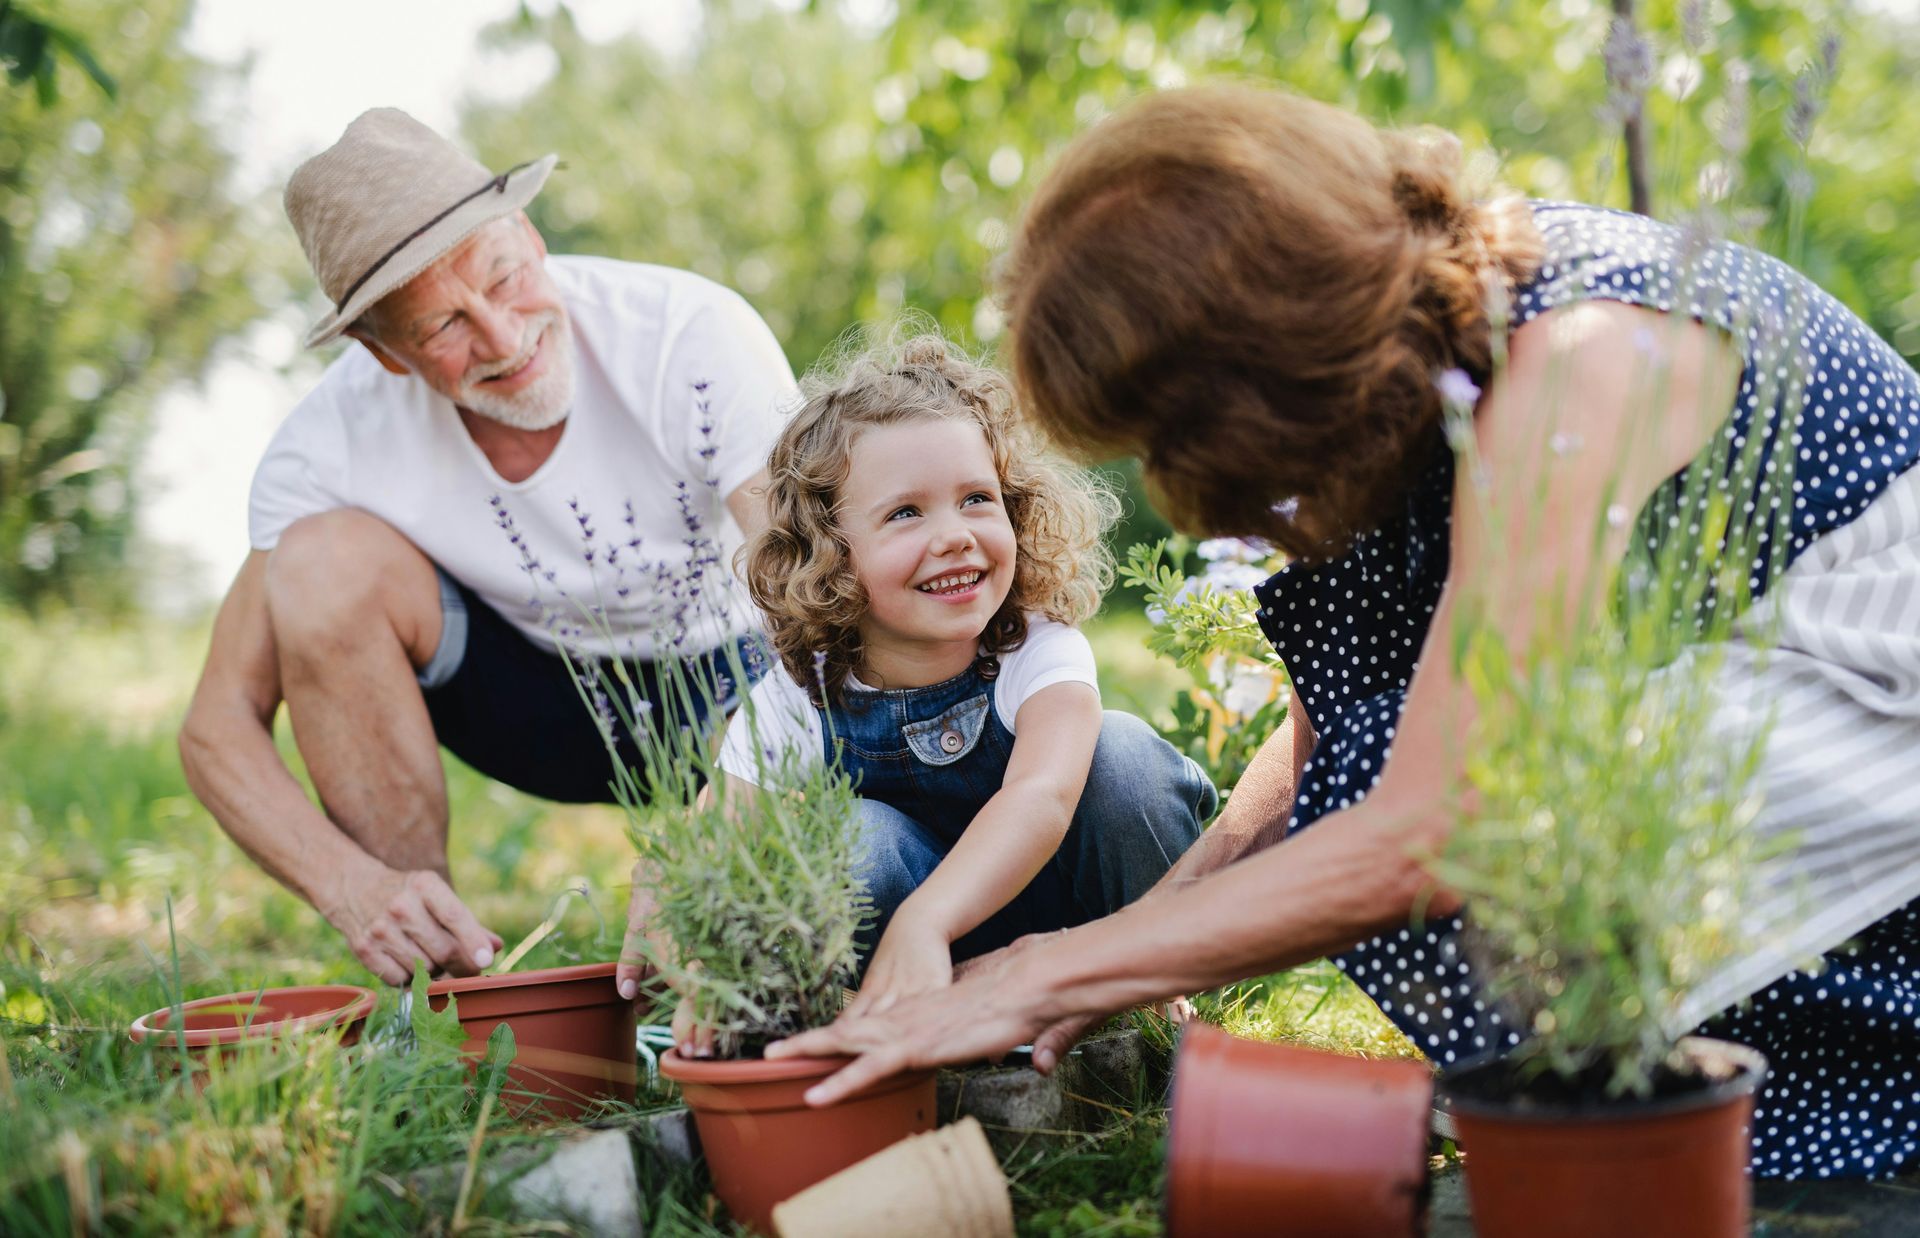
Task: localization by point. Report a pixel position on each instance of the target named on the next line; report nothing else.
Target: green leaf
(435, 1029)
(499, 1056)
(77, 51)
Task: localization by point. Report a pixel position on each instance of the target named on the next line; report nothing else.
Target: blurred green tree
(31, 47)
(124, 261)
(840, 161)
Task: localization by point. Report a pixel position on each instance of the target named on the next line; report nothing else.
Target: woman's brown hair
(1254, 293)
(799, 569)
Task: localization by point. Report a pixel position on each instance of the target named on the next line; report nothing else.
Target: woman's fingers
(866, 1069)
(1052, 1044)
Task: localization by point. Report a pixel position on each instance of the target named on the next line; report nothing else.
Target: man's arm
(748, 503)
(389, 917)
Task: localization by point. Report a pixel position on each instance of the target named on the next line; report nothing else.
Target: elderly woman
(1255, 294)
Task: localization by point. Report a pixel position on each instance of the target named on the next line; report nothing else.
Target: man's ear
(380, 354)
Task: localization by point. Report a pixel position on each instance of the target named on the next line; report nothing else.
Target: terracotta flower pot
(762, 1141)
(1673, 1164)
(573, 1035)
(220, 1024)
(1263, 1134)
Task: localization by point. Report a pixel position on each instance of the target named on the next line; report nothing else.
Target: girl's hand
(912, 958)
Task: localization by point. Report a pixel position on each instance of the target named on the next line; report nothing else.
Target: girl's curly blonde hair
(799, 568)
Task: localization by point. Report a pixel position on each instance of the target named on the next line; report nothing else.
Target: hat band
(498, 185)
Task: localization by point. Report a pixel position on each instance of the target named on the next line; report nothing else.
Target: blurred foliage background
(840, 159)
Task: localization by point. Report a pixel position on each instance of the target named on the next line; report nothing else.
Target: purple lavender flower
(1457, 388)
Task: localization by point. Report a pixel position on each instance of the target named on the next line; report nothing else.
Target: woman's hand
(913, 957)
(993, 1009)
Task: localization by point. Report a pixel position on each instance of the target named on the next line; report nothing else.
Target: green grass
(101, 836)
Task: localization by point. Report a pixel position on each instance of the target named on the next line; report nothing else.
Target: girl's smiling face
(932, 546)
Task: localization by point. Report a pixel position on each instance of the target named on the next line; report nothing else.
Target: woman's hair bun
(1426, 176)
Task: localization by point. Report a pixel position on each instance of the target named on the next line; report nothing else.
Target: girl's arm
(1009, 840)
(1578, 377)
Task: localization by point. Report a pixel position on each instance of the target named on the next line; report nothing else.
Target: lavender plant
(757, 902)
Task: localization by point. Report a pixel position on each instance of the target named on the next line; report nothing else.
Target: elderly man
(426, 510)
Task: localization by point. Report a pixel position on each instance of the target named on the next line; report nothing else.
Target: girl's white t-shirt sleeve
(1052, 653)
(777, 719)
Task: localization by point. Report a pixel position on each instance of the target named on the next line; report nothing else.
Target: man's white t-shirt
(644, 337)
(781, 718)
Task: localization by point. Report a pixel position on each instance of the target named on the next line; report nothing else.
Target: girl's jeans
(1143, 806)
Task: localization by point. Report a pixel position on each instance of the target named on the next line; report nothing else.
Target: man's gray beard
(545, 403)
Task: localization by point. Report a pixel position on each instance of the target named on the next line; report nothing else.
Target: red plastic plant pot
(573, 1036)
(219, 1024)
(763, 1143)
(1324, 1144)
(1673, 1164)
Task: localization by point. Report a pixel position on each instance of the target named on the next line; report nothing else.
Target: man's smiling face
(483, 326)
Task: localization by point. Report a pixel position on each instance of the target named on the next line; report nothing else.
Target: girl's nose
(952, 539)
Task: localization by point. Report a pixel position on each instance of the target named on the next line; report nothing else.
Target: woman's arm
(1574, 430)
(1008, 841)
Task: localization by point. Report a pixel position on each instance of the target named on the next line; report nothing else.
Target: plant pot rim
(519, 979)
(746, 1069)
(1749, 1070)
(352, 1003)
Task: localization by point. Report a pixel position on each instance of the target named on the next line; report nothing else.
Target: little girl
(922, 569)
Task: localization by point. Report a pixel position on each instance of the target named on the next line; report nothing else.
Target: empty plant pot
(219, 1024)
(573, 1035)
(764, 1143)
(944, 1183)
(1672, 1164)
(1262, 1134)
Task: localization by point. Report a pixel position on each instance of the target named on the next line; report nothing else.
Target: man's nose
(498, 330)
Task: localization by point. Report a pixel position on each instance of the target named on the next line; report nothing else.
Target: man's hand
(632, 968)
(911, 958)
(395, 918)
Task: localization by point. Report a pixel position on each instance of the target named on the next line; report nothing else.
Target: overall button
(951, 741)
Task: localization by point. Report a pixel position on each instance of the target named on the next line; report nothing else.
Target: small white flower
(1157, 615)
(1457, 388)
(1228, 577)
(1233, 550)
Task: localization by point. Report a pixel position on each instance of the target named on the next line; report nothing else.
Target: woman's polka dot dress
(1843, 1094)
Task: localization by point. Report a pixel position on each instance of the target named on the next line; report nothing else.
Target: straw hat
(377, 207)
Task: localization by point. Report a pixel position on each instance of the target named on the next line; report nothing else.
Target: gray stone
(1014, 1103)
(1122, 1069)
(667, 1136)
(588, 1180)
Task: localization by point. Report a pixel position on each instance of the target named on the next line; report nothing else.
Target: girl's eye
(979, 495)
(898, 512)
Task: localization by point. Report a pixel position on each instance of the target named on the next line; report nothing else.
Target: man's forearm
(233, 767)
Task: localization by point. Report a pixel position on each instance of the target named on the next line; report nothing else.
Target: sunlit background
(833, 162)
